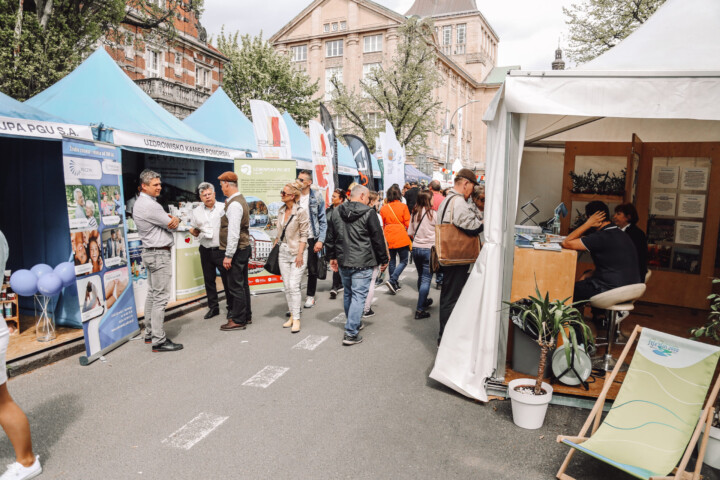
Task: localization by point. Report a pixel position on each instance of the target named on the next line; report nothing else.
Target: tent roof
(222, 121)
(412, 174)
(99, 92)
(299, 142)
(682, 35)
(21, 120)
(9, 107)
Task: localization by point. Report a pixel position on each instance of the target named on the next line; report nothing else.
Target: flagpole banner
(327, 123)
(260, 182)
(393, 158)
(323, 173)
(94, 197)
(361, 154)
(271, 133)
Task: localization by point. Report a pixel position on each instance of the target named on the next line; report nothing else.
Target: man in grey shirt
(154, 226)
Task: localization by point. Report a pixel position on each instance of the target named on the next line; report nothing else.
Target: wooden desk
(554, 272)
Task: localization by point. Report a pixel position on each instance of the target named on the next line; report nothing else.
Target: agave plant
(551, 319)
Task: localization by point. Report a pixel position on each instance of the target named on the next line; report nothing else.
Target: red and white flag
(271, 133)
(322, 159)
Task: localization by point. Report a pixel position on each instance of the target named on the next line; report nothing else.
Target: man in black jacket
(355, 245)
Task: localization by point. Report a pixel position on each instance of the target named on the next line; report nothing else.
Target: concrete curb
(60, 352)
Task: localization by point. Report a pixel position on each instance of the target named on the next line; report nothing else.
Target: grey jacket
(463, 215)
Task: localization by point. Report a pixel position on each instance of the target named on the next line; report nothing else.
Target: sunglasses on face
(283, 193)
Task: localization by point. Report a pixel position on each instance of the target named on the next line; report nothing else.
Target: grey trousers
(159, 270)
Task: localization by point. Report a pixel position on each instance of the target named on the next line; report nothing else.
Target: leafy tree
(598, 25)
(403, 93)
(256, 71)
(41, 41)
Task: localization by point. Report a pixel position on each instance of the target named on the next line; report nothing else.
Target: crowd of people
(360, 235)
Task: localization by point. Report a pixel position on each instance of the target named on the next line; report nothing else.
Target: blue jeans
(421, 257)
(396, 270)
(356, 285)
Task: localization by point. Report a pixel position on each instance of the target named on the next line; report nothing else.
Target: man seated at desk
(611, 249)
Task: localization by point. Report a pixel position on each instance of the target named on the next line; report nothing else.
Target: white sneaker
(310, 302)
(16, 471)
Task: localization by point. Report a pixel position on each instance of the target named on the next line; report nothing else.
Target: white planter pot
(712, 453)
(528, 410)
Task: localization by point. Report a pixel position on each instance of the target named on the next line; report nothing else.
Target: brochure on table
(96, 214)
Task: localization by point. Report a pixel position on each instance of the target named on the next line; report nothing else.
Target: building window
(329, 74)
(129, 47)
(368, 68)
(299, 53)
(373, 43)
(202, 77)
(447, 35)
(337, 121)
(372, 120)
(334, 27)
(326, 28)
(334, 48)
(178, 64)
(343, 26)
(153, 64)
(461, 33)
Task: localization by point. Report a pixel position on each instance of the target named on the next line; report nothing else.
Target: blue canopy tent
(299, 143)
(36, 233)
(412, 174)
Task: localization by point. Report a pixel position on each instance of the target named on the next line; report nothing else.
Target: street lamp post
(447, 155)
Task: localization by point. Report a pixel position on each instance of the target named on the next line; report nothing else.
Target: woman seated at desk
(612, 251)
(626, 218)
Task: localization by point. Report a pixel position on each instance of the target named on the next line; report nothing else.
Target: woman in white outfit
(292, 233)
(12, 419)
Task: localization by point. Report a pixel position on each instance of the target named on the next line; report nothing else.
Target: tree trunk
(44, 10)
(541, 368)
(18, 29)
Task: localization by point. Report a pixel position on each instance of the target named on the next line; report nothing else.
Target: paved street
(323, 412)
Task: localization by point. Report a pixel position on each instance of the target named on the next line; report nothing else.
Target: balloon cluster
(43, 279)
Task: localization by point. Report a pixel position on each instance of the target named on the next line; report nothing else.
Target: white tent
(662, 82)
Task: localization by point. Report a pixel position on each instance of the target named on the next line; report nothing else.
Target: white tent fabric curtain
(467, 356)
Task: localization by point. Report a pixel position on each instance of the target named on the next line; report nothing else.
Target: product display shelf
(13, 320)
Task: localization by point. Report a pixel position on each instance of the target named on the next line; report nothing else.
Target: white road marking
(402, 277)
(339, 319)
(311, 342)
(265, 377)
(194, 431)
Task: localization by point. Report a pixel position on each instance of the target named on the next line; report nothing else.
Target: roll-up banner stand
(96, 213)
(260, 182)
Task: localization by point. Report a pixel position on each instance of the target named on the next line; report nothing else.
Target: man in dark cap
(457, 210)
(235, 242)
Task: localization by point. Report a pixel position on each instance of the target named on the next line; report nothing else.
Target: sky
(529, 30)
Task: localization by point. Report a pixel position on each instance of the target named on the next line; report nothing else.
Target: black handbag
(272, 264)
(322, 266)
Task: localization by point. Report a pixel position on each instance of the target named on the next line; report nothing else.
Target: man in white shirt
(205, 225)
(235, 244)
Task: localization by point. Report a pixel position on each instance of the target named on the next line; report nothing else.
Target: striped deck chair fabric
(647, 430)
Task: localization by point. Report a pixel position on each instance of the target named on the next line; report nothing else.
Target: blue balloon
(66, 272)
(49, 284)
(24, 283)
(41, 269)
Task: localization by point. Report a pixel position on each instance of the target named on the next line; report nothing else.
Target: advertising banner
(189, 280)
(393, 158)
(260, 182)
(329, 128)
(361, 154)
(323, 175)
(273, 138)
(172, 147)
(24, 127)
(94, 198)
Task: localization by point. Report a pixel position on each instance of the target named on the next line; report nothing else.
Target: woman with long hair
(626, 218)
(422, 226)
(338, 198)
(94, 250)
(395, 219)
(292, 233)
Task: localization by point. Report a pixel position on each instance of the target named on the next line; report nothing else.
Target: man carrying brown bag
(456, 210)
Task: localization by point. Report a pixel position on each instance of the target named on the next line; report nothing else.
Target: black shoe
(287, 314)
(398, 287)
(214, 312)
(340, 288)
(428, 302)
(148, 339)
(351, 339)
(167, 346)
(333, 294)
(391, 287)
(438, 286)
(369, 313)
(420, 314)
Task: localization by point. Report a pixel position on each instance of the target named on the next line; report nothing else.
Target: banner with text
(271, 133)
(96, 213)
(260, 182)
(393, 155)
(24, 127)
(323, 175)
(181, 147)
(361, 154)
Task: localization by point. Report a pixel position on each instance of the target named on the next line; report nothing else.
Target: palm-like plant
(551, 319)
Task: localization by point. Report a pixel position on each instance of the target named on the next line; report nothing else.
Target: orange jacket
(396, 219)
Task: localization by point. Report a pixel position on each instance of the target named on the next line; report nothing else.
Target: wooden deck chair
(658, 415)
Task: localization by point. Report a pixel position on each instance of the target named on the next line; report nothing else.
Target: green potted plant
(711, 330)
(530, 397)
